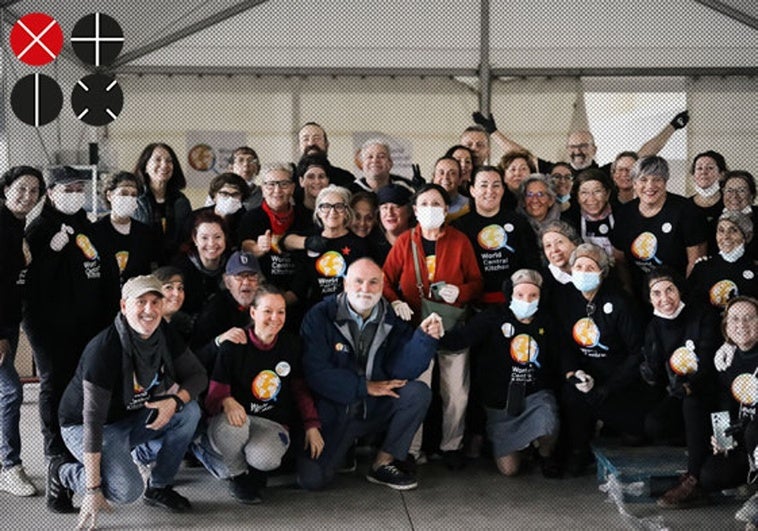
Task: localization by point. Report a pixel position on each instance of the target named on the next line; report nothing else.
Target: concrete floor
(475, 498)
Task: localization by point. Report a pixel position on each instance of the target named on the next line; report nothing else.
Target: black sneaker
(244, 490)
(57, 495)
(392, 476)
(167, 498)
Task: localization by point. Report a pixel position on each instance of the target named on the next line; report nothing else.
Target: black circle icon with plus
(97, 39)
(36, 99)
(97, 99)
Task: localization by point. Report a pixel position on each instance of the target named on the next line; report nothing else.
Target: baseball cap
(65, 175)
(241, 262)
(138, 286)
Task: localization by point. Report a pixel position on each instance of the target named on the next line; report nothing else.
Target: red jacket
(455, 264)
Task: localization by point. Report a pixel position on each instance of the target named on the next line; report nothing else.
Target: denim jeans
(121, 480)
(398, 418)
(11, 397)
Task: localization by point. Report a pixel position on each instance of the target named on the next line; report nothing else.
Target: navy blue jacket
(329, 360)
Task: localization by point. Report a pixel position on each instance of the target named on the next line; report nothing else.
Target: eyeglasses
(736, 191)
(536, 195)
(246, 277)
(324, 208)
(283, 185)
(559, 177)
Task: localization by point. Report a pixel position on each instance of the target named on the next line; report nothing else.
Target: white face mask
(67, 202)
(733, 255)
(585, 281)
(523, 309)
(430, 217)
(673, 315)
(710, 191)
(123, 206)
(226, 206)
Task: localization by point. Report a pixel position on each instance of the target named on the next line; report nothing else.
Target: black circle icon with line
(36, 99)
(97, 99)
(97, 39)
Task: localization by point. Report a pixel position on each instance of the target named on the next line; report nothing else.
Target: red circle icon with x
(36, 39)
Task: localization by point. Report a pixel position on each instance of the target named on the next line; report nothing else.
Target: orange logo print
(683, 361)
(721, 292)
(587, 334)
(524, 349)
(266, 386)
(645, 246)
(331, 264)
(86, 246)
(745, 389)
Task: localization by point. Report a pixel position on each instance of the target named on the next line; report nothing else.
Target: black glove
(315, 244)
(680, 120)
(417, 181)
(649, 375)
(597, 396)
(487, 123)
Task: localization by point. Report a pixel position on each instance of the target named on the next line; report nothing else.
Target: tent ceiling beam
(180, 34)
(731, 12)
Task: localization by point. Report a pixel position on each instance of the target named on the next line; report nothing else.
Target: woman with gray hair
(516, 388)
(330, 250)
(537, 201)
(601, 331)
(656, 228)
(730, 271)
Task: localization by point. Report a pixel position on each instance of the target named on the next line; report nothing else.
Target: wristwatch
(179, 403)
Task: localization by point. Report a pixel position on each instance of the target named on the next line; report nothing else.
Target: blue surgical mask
(522, 309)
(733, 255)
(585, 280)
(563, 198)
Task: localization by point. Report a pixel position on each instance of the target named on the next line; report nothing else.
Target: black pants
(623, 412)
(56, 363)
(684, 418)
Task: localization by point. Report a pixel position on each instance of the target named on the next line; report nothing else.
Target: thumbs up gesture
(264, 242)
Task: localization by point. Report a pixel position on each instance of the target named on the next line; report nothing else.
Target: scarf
(280, 223)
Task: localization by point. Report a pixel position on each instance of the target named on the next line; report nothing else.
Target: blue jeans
(121, 480)
(11, 397)
(399, 417)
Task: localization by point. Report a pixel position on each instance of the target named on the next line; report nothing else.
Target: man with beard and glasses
(580, 145)
(361, 362)
(312, 140)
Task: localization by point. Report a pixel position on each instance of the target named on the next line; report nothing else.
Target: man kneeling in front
(361, 362)
(136, 382)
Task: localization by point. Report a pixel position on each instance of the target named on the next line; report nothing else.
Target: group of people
(303, 310)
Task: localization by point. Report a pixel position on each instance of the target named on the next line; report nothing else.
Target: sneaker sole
(395, 486)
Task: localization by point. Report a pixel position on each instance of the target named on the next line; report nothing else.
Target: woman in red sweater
(447, 263)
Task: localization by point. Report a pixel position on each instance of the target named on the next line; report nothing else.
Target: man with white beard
(361, 362)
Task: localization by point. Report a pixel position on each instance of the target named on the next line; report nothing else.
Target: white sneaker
(749, 510)
(15, 481)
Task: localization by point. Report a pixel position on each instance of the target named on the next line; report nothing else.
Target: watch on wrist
(179, 403)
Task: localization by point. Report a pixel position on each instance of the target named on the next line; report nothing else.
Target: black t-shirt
(735, 385)
(711, 215)
(278, 266)
(261, 380)
(503, 244)
(715, 281)
(604, 337)
(323, 274)
(507, 351)
(660, 239)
